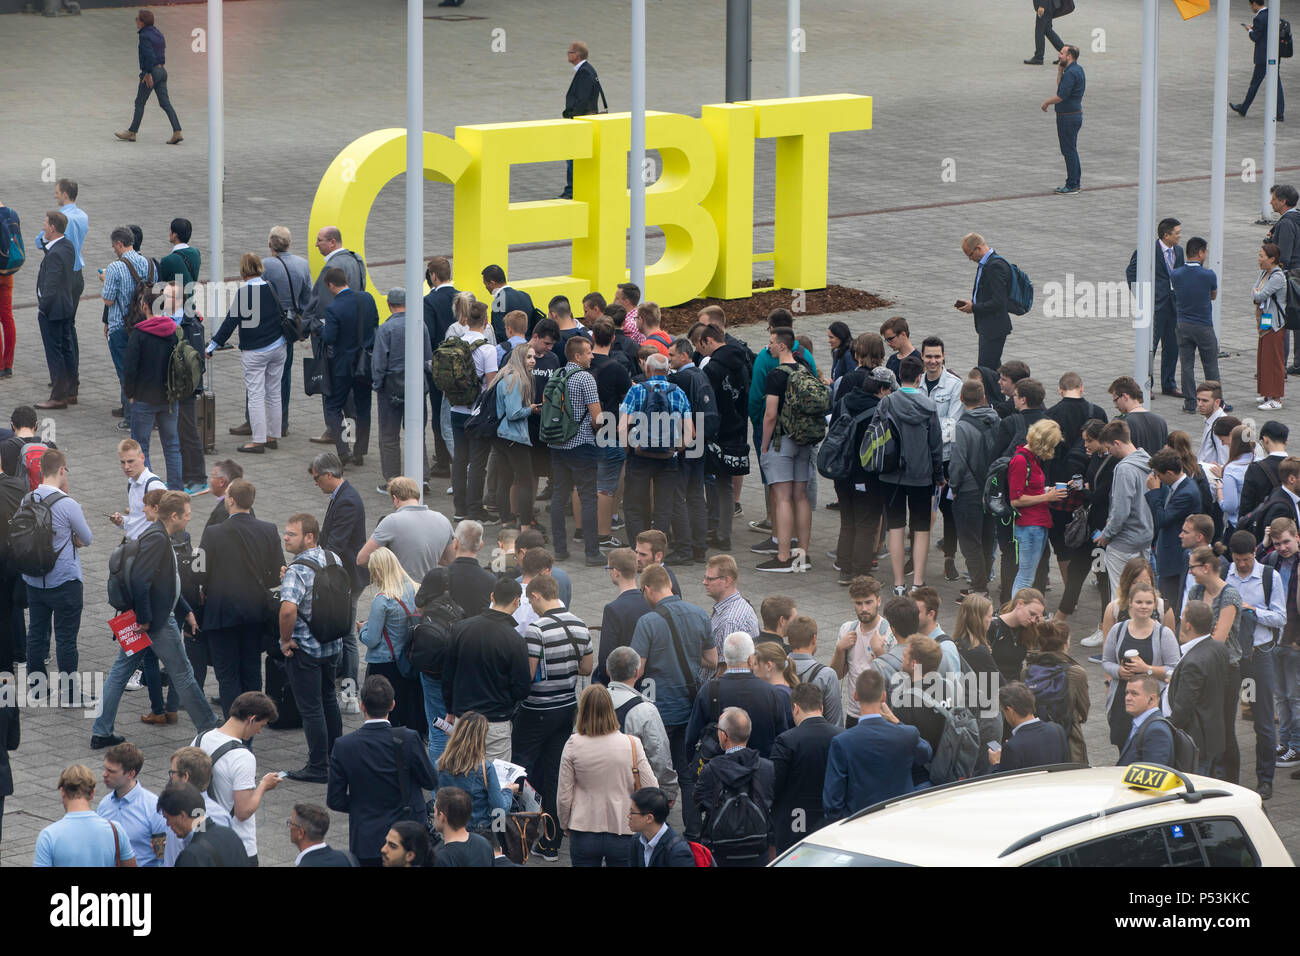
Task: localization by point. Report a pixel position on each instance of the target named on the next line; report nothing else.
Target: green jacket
(180, 262)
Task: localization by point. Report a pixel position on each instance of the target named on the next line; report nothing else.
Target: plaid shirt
(679, 406)
(582, 392)
(296, 589)
(730, 615)
(119, 286)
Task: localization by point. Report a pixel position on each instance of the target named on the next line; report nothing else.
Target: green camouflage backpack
(803, 415)
(454, 372)
(558, 423)
(184, 369)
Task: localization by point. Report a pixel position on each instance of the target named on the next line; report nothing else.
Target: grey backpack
(959, 744)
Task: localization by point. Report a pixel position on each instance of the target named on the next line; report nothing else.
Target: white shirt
(297, 860)
(134, 522)
(237, 770)
(578, 66)
(1189, 645)
(1032, 720)
(648, 846)
(1212, 449)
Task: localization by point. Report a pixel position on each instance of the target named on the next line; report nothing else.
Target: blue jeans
(1030, 541)
(61, 605)
(170, 648)
(1260, 666)
(434, 708)
(117, 351)
(1286, 693)
(312, 680)
(590, 849)
(1067, 135)
(143, 417)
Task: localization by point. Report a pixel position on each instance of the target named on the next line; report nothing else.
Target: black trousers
(194, 469)
(684, 764)
(236, 655)
(1256, 80)
(576, 468)
(990, 350)
(515, 469)
(468, 467)
(1079, 560)
(391, 417)
(142, 96)
(1164, 335)
(442, 460)
(13, 632)
(644, 477)
(57, 337)
(78, 287)
(1043, 31)
(358, 390)
(860, 513)
(690, 512)
(537, 742)
(975, 534)
(312, 680)
(949, 524)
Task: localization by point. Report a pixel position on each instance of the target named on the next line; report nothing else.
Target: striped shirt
(558, 641)
(730, 615)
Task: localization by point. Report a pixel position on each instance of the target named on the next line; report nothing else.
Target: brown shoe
(176, 138)
(153, 718)
(172, 716)
(126, 135)
(52, 403)
(325, 439)
(244, 429)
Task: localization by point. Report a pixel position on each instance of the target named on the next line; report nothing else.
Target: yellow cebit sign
(703, 201)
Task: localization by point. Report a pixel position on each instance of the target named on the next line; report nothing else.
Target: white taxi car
(1141, 815)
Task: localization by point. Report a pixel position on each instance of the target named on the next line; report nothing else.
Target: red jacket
(1025, 479)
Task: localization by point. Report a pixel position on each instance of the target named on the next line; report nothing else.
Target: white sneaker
(1288, 759)
(1095, 639)
(135, 682)
(1271, 405)
(350, 704)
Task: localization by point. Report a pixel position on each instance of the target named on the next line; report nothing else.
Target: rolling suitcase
(205, 410)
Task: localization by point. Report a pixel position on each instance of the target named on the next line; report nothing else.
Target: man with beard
(727, 368)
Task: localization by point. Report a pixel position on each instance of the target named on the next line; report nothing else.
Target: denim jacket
(513, 408)
(486, 797)
(385, 613)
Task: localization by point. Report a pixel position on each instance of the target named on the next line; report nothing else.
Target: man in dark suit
(210, 845)
(580, 100)
(506, 299)
(767, 707)
(1033, 742)
(55, 309)
(308, 825)
(874, 759)
(1257, 30)
(367, 768)
(1173, 498)
(1151, 740)
(242, 558)
(1284, 500)
(438, 318)
(1196, 690)
(344, 532)
(656, 844)
(349, 329)
(1045, 11)
(799, 757)
(1164, 330)
(990, 299)
(219, 479)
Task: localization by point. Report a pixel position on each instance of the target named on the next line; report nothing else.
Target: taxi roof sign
(1152, 778)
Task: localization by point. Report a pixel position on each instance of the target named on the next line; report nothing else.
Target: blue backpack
(654, 436)
(12, 252)
(1020, 294)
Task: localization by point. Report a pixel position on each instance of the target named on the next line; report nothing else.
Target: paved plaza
(306, 77)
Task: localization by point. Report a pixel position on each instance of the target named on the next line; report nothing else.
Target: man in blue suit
(1164, 332)
(1173, 498)
(1033, 742)
(1258, 33)
(1151, 740)
(367, 770)
(873, 760)
(506, 299)
(349, 329)
(438, 318)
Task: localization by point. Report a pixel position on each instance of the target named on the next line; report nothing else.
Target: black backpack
(737, 828)
(708, 747)
(31, 535)
(1185, 749)
(484, 420)
(331, 600)
(12, 491)
(427, 649)
(836, 453)
(120, 565)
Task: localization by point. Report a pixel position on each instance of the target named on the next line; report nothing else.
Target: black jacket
(54, 282)
(242, 557)
(1038, 745)
(467, 582)
(1260, 479)
(329, 857)
(1164, 292)
(1098, 476)
(1071, 456)
(438, 314)
(584, 93)
(504, 300)
(799, 761)
(1277, 505)
(256, 313)
(1196, 694)
(155, 581)
(1012, 430)
(991, 297)
(728, 373)
(743, 768)
(855, 402)
(344, 532)
(214, 846)
(144, 369)
(486, 668)
(9, 737)
(364, 783)
(671, 850)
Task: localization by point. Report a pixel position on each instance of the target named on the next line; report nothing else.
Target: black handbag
(316, 375)
(1076, 532)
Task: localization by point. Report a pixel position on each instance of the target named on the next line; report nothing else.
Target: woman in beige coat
(600, 769)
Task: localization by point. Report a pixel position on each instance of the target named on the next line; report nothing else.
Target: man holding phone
(989, 299)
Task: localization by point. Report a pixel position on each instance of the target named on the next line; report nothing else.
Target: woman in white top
(1136, 647)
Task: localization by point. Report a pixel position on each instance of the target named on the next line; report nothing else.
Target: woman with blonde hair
(464, 764)
(385, 634)
(1026, 487)
(770, 663)
(971, 633)
(600, 769)
(255, 311)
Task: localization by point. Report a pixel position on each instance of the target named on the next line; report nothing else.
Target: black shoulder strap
(687, 671)
(293, 296)
(1267, 575)
(217, 754)
(627, 707)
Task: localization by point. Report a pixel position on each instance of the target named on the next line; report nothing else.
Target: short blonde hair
(655, 577)
(1044, 435)
(403, 488)
(725, 565)
(971, 240)
(250, 266)
(128, 444)
(77, 781)
(280, 239)
(516, 322)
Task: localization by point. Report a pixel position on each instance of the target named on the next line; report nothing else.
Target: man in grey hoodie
(967, 471)
(1129, 527)
(911, 487)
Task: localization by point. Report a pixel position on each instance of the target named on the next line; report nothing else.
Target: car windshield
(810, 854)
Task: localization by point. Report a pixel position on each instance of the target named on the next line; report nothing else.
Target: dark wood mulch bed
(827, 301)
